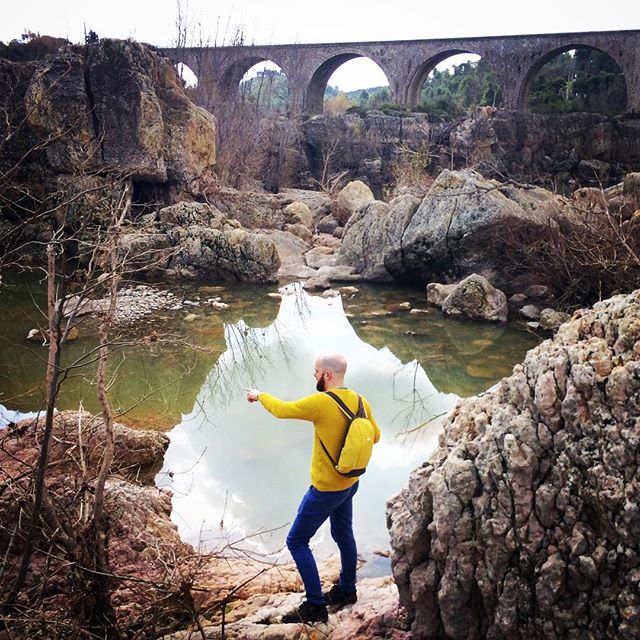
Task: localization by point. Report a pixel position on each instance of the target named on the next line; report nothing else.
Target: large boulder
(144, 121)
(195, 240)
(351, 198)
(473, 297)
(525, 522)
(372, 233)
(462, 226)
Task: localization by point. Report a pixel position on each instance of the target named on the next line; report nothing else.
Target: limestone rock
(589, 199)
(550, 319)
(299, 213)
(235, 254)
(57, 104)
(300, 230)
(530, 312)
(318, 282)
(473, 297)
(196, 240)
(351, 198)
(118, 106)
(525, 522)
(437, 293)
(459, 228)
(319, 203)
(593, 172)
(328, 224)
(320, 257)
(374, 233)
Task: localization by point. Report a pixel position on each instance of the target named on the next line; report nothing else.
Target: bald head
(333, 362)
(329, 371)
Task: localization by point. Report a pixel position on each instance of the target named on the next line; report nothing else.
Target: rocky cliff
(525, 523)
(560, 150)
(113, 106)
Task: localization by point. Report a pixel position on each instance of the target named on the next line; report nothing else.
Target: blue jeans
(315, 508)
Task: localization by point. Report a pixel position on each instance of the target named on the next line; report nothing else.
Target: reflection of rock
(254, 315)
(525, 521)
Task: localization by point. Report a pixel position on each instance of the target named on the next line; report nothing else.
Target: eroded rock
(525, 523)
(473, 297)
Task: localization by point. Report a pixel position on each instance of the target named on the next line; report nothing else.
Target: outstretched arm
(306, 408)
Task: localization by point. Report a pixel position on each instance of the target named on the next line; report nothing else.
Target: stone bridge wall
(308, 67)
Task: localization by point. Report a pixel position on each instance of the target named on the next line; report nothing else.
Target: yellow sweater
(329, 425)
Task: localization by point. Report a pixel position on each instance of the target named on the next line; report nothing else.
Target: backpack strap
(343, 406)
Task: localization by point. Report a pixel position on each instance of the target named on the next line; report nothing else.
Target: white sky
(285, 21)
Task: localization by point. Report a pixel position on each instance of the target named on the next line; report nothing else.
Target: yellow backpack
(358, 441)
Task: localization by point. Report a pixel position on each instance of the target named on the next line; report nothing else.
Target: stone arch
(420, 74)
(233, 74)
(525, 85)
(314, 95)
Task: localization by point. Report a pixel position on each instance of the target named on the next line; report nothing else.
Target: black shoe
(307, 613)
(338, 598)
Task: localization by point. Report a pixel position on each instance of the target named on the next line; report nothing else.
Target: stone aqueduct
(308, 67)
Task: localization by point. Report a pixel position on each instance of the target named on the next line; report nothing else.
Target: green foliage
(581, 80)
(269, 90)
(361, 100)
(450, 94)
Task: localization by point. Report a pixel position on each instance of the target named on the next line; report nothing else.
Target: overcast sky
(285, 21)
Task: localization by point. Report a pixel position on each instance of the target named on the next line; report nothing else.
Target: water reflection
(236, 471)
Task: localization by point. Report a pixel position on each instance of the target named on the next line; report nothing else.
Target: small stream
(236, 472)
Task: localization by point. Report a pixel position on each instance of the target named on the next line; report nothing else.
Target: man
(330, 494)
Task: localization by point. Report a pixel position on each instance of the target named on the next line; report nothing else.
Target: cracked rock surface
(526, 521)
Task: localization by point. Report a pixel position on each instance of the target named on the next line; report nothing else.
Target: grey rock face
(525, 522)
(460, 225)
(373, 233)
(458, 229)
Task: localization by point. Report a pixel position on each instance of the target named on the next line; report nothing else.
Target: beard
(320, 386)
